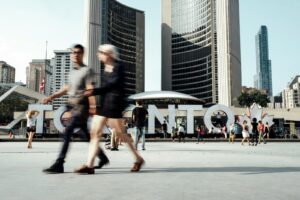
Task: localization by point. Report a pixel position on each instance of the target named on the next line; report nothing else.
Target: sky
(26, 25)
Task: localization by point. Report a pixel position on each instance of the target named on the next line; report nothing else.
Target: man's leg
(142, 131)
(136, 137)
(58, 166)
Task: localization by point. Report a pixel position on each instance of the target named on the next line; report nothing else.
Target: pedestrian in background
(245, 133)
(200, 134)
(254, 139)
(267, 130)
(31, 120)
(139, 117)
(261, 130)
(232, 133)
(180, 133)
(164, 129)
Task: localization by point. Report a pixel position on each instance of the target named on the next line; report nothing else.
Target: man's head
(138, 102)
(77, 52)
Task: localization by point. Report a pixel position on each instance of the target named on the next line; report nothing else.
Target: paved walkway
(173, 171)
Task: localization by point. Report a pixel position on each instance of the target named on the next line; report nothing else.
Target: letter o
(218, 107)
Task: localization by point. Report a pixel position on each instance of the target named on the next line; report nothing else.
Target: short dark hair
(139, 102)
(78, 46)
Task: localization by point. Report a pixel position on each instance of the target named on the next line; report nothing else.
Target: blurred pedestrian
(80, 79)
(111, 108)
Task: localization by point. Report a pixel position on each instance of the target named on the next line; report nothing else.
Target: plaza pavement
(172, 171)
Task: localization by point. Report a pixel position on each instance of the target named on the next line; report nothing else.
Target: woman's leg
(117, 124)
(30, 137)
(97, 126)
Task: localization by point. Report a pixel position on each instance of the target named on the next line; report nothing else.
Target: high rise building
(263, 77)
(109, 21)
(201, 49)
(291, 94)
(61, 70)
(38, 73)
(7, 73)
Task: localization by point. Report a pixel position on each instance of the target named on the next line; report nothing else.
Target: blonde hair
(109, 49)
(30, 113)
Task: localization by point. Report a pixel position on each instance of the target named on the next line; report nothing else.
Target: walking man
(139, 116)
(164, 129)
(81, 78)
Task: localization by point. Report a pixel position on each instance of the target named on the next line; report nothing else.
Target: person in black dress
(111, 107)
(254, 124)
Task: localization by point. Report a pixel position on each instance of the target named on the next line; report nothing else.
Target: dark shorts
(31, 129)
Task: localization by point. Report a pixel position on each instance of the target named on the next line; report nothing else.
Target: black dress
(112, 93)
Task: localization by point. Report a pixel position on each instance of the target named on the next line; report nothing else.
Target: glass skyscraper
(263, 77)
(201, 49)
(109, 21)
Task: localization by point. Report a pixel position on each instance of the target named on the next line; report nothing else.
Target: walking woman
(111, 107)
(245, 132)
(31, 119)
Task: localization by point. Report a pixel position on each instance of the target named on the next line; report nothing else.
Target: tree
(247, 99)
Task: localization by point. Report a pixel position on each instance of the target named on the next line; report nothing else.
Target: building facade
(62, 66)
(291, 94)
(38, 73)
(7, 73)
(201, 49)
(109, 21)
(263, 77)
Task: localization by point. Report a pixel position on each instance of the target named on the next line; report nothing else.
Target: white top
(181, 129)
(31, 121)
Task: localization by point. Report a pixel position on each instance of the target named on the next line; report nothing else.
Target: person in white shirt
(31, 119)
(181, 133)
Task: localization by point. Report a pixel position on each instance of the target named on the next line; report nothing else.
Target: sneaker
(114, 149)
(56, 168)
(143, 149)
(84, 169)
(102, 163)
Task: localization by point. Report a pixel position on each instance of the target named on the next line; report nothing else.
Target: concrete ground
(172, 171)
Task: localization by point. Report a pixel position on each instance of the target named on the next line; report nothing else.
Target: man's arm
(59, 93)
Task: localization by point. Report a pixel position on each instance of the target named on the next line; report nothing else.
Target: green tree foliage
(247, 99)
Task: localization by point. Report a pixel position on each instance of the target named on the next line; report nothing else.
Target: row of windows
(191, 55)
(190, 74)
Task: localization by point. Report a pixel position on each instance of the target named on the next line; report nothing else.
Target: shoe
(56, 168)
(137, 166)
(101, 164)
(85, 170)
(114, 149)
(143, 149)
